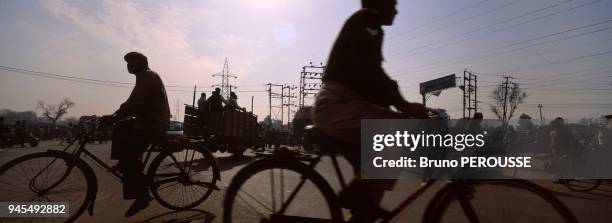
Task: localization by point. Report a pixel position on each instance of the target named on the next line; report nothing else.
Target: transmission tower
(310, 82)
(226, 87)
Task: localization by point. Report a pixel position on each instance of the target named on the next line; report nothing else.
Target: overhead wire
(453, 37)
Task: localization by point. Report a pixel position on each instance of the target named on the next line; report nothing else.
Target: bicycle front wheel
(280, 190)
(496, 201)
(183, 178)
(48, 177)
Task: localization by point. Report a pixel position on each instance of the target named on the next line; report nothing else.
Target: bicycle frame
(82, 151)
(313, 161)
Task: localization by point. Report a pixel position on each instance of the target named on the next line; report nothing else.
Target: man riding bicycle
(148, 103)
(356, 87)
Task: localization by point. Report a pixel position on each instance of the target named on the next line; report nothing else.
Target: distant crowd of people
(61, 133)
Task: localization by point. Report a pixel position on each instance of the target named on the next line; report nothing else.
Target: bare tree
(55, 112)
(507, 98)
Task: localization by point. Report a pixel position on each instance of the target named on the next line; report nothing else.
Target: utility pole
(289, 97)
(475, 93)
(225, 85)
(273, 95)
(252, 99)
(282, 98)
(194, 93)
(541, 117)
(464, 91)
(310, 82)
(470, 87)
(270, 102)
(505, 83)
(177, 111)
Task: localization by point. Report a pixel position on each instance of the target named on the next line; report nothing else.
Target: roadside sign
(438, 84)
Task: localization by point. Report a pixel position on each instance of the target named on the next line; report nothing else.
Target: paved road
(496, 203)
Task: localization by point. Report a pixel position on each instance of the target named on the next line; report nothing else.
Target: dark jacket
(356, 57)
(148, 102)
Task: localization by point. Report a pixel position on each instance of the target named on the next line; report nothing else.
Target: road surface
(109, 207)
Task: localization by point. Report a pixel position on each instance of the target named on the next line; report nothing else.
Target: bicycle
(577, 166)
(183, 165)
(455, 198)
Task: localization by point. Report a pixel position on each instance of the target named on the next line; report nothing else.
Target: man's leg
(133, 178)
(134, 181)
(341, 119)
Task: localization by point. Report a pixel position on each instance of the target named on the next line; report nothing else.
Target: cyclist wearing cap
(148, 103)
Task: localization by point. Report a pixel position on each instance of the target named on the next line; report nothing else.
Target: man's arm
(136, 100)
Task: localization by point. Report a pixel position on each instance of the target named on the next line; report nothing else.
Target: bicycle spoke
(272, 190)
(177, 183)
(258, 202)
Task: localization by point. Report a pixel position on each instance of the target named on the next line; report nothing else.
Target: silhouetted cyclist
(356, 87)
(148, 103)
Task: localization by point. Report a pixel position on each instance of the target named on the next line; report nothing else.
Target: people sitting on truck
(233, 102)
(216, 110)
(202, 103)
(203, 108)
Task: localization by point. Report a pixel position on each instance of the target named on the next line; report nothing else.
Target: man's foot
(138, 205)
(363, 208)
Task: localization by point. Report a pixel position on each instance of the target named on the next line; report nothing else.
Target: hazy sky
(558, 50)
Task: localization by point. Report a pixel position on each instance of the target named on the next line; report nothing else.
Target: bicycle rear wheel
(496, 201)
(48, 177)
(280, 190)
(581, 185)
(183, 178)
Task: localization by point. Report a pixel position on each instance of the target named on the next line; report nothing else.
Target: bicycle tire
(156, 189)
(281, 163)
(594, 184)
(449, 193)
(88, 175)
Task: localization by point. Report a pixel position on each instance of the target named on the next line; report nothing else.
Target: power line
(485, 27)
(562, 61)
(97, 81)
(38, 73)
(461, 21)
(471, 57)
(438, 19)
